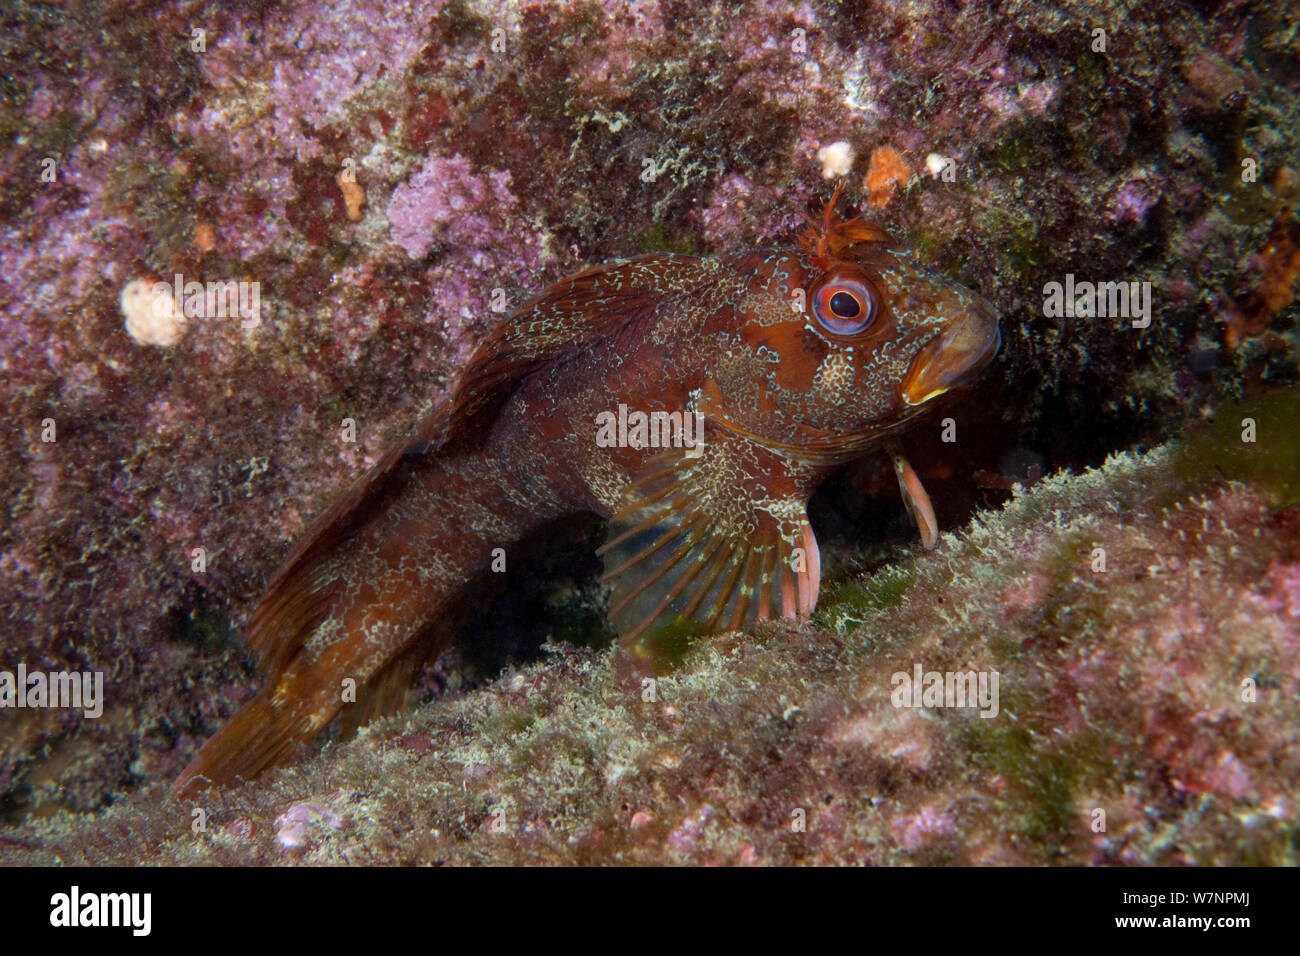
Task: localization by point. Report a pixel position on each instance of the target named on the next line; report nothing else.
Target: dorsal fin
(568, 317)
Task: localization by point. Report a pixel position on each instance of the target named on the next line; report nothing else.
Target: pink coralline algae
(471, 220)
(443, 201)
(687, 834)
(912, 832)
(1133, 201)
(321, 66)
(737, 203)
(294, 827)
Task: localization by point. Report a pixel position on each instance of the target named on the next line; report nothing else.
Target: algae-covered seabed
(500, 145)
(1123, 700)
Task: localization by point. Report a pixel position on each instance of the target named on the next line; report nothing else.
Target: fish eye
(844, 304)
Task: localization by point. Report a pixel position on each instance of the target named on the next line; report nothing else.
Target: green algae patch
(1255, 441)
(1017, 149)
(657, 238)
(460, 24)
(1042, 786)
(1045, 777)
(855, 601)
(667, 646)
(512, 721)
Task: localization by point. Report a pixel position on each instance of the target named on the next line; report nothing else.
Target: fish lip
(954, 358)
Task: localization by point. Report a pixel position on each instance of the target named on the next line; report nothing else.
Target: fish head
(836, 347)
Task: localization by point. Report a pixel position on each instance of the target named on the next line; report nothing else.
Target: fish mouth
(953, 359)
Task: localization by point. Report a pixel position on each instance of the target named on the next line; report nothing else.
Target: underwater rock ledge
(1155, 698)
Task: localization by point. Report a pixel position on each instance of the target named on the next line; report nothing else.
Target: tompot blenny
(791, 361)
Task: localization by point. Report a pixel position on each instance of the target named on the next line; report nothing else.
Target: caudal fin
(292, 708)
(260, 736)
(302, 693)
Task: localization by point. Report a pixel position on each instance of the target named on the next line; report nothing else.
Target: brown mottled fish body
(795, 360)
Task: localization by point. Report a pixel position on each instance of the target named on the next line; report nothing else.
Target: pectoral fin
(916, 499)
(720, 540)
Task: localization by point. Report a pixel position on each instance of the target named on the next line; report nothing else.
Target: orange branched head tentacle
(829, 239)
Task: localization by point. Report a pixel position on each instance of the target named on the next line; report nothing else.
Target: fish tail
(366, 597)
(358, 607)
(260, 736)
(339, 633)
(275, 722)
